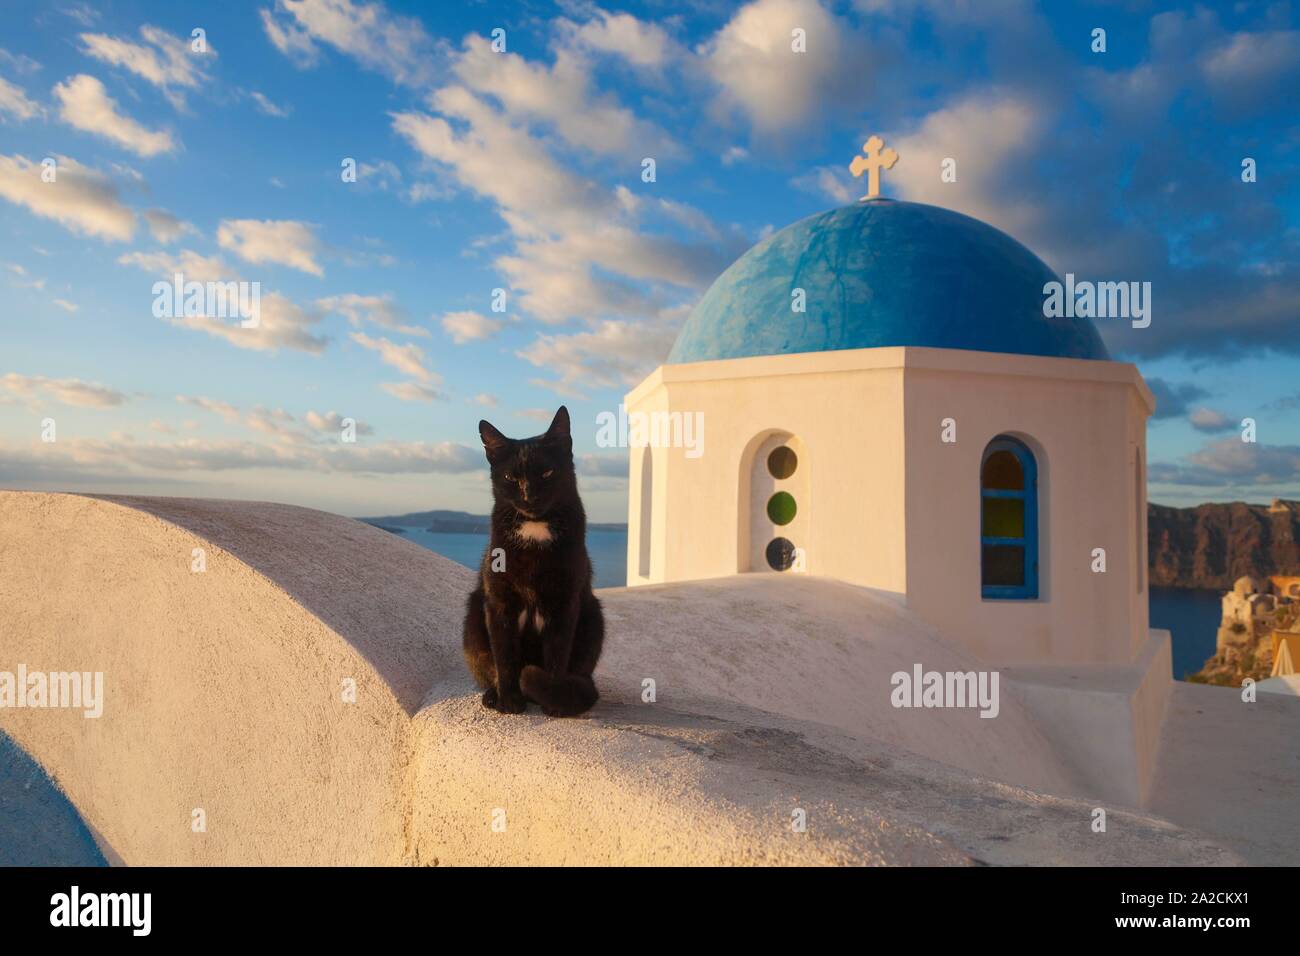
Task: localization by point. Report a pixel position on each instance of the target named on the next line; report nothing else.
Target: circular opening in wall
(782, 462)
(780, 554)
(781, 508)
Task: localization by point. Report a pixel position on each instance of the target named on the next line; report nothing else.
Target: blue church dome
(883, 273)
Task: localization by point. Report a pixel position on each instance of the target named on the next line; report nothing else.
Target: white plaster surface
(223, 692)
(887, 504)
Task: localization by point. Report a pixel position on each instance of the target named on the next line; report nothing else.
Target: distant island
(457, 522)
(1212, 545)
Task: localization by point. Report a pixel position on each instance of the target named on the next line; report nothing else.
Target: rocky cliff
(1212, 545)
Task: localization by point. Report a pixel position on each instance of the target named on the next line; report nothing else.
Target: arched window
(1008, 521)
(776, 504)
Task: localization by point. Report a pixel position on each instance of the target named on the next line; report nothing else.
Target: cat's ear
(493, 441)
(559, 425)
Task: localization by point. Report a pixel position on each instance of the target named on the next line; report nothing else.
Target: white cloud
(733, 155)
(833, 182)
(986, 133)
(293, 42)
(275, 422)
(641, 44)
(65, 391)
(81, 199)
(378, 309)
(282, 324)
(1247, 59)
(752, 61)
(19, 62)
(393, 45)
(484, 399)
(606, 465)
(1210, 420)
(83, 13)
(265, 105)
(227, 411)
(123, 456)
(579, 251)
(559, 96)
(612, 355)
(1230, 462)
(566, 227)
(194, 266)
(66, 306)
(283, 241)
(84, 104)
(25, 280)
(413, 391)
(408, 359)
(14, 101)
(381, 173)
(470, 326)
(164, 60)
(166, 228)
(331, 423)
(502, 162)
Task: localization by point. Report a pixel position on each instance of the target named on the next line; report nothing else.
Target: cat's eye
(547, 474)
(510, 478)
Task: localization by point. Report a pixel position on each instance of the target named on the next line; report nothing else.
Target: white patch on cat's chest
(538, 532)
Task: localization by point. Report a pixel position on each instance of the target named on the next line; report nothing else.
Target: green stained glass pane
(781, 508)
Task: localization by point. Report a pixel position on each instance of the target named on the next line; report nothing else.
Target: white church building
(886, 403)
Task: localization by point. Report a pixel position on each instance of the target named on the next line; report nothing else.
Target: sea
(608, 551)
(1191, 616)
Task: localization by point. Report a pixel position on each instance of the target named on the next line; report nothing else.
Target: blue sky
(521, 170)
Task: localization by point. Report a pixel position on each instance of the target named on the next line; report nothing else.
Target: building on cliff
(1259, 626)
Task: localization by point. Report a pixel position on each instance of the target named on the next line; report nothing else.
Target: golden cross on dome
(872, 163)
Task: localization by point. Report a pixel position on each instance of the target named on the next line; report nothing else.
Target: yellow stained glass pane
(1003, 518)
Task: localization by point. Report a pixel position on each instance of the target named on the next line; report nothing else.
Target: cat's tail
(564, 695)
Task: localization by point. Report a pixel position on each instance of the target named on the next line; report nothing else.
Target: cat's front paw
(490, 698)
(514, 703)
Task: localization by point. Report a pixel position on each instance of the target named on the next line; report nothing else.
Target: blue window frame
(1008, 521)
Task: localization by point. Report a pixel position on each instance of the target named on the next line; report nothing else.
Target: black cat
(534, 629)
